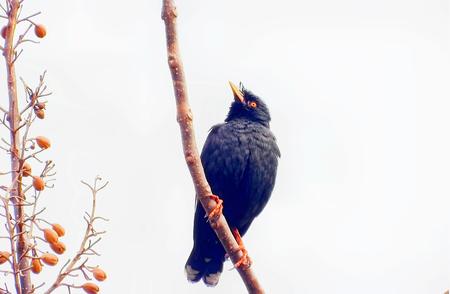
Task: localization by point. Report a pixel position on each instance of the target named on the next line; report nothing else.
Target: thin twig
(184, 117)
(28, 18)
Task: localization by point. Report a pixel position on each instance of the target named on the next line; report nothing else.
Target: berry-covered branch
(33, 241)
(90, 239)
(185, 120)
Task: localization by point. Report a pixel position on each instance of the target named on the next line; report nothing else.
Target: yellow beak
(238, 96)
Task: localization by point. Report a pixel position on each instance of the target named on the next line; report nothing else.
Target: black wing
(224, 160)
(260, 174)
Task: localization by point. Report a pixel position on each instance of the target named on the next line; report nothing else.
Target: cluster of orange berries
(92, 288)
(38, 182)
(39, 31)
(52, 235)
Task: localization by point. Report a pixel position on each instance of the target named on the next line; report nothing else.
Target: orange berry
(40, 105)
(4, 31)
(49, 259)
(50, 236)
(38, 183)
(39, 113)
(59, 229)
(36, 266)
(99, 274)
(26, 169)
(4, 256)
(43, 142)
(40, 31)
(90, 288)
(58, 247)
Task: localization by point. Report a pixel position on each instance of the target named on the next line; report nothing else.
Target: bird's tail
(206, 265)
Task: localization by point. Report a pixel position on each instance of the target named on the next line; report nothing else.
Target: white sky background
(359, 95)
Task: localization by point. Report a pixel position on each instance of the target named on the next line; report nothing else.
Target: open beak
(238, 96)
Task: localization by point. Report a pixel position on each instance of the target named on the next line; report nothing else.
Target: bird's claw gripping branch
(216, 212)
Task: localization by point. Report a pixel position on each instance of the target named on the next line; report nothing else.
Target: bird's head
(247, 105)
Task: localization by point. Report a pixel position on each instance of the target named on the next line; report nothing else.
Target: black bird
(240, 159)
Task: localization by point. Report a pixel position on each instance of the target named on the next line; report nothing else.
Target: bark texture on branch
(185, 120)
(17, 197)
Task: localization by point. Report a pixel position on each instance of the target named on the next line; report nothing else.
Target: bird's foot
(216, 212)
(245, 261)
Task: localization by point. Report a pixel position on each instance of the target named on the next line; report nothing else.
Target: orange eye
(252, 104)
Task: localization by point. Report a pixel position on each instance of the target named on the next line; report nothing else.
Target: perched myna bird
(240, 159)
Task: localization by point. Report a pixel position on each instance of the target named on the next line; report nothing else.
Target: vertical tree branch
(14, 123)
(185, 120)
